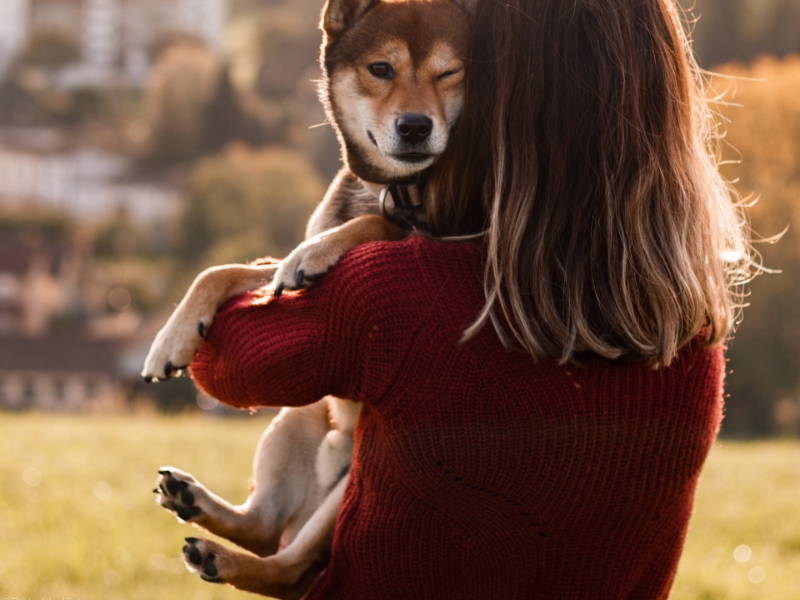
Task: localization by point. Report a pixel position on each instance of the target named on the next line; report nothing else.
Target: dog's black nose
(414, 128)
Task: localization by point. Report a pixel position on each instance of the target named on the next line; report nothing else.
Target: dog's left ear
(466, 5)
(340, 15)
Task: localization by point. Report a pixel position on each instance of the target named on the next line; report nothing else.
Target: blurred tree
(193, 107)
(225, 118)
(743, 29)
(246, 204)
(179, 89)
(28, 221)
(764, 134)
(288, 43)
(119, 237)
(51, 49)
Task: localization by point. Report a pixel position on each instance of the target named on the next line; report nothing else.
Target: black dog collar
(407, 200)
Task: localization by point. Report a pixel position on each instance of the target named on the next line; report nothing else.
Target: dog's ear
(466, 5)
(340, 15)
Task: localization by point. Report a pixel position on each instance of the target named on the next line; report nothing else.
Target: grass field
(77, 518)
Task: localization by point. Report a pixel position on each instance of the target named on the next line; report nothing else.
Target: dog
(392, 86)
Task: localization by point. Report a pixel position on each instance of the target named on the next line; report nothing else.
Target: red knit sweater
(477, 474)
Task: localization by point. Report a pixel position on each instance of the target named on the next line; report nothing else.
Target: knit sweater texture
(477, 472)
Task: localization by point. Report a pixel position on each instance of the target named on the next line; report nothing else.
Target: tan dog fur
(301, 464)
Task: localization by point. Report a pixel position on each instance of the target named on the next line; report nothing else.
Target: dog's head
(393, 87)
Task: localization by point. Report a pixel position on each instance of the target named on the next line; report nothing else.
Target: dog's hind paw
(277, 576)
(201, 557)
(179, 493)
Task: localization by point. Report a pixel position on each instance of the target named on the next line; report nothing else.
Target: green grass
(749, 495)
(89, 528)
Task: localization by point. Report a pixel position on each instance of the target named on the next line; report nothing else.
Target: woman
(555, 452)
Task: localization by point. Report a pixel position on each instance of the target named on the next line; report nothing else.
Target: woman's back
(477, 472)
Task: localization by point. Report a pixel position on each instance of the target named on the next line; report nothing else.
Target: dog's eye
(449, 73)
(381, 70)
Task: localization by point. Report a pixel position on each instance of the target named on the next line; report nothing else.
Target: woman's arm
(289, 351)
(346, 336)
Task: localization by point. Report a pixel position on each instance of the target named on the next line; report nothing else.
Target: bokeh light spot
(742, 553)
(159, 561)
(33, 477)
(756, 574)
(127, 501)
(119, 298)
(102, 490)
(111, 578)
(206, 402)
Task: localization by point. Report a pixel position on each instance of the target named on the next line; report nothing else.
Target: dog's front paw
(180, 493)
(176, 344)
(206, 558)
(307, 263)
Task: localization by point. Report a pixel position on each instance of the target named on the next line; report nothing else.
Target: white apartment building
(13, 30)
(87, 182)
(117, 37)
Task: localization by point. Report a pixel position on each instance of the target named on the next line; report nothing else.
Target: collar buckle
(407, 203)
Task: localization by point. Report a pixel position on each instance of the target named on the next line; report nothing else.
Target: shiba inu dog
(393, 89)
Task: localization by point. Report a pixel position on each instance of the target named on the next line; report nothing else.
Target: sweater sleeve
(339, 337)
(289, 351)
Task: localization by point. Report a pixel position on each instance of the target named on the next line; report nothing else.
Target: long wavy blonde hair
(588, 151)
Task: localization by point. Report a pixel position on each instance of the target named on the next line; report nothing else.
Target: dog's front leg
(288, 575)
(314, 257)
(180, 338)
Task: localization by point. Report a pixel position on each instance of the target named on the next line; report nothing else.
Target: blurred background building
(144, 140)
(113, 38)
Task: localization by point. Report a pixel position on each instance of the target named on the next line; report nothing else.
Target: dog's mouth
(413, 158)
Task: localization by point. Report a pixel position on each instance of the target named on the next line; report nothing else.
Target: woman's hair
(587, 150)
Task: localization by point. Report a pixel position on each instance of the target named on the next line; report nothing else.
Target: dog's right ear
(340, 15)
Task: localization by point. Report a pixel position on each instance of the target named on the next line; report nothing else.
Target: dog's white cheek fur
(356, 117)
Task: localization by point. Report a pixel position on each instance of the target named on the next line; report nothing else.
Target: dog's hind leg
(287, 575)
(285, 488)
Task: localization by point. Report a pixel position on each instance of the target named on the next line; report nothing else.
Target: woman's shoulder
(416, 261)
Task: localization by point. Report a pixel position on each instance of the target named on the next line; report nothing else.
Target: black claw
(156, 491)
(194, 556)
(166, 472)
(148, 379)
(201, 329)
(187, 497)
(300, 278)
(279, 290)
(168, 369)
(191, 540)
